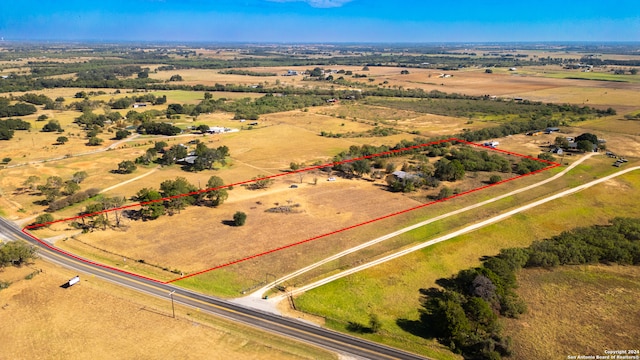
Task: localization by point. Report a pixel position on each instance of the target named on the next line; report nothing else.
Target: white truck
(74, 280)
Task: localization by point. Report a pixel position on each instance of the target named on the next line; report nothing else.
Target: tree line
(464, 313)
(8, 126)
(19, 109)
(247, 108)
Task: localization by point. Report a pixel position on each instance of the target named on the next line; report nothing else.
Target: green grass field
(391, 290)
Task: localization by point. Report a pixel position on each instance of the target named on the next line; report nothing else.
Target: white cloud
(319, 3)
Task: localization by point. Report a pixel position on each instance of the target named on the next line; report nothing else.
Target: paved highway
(291, 328)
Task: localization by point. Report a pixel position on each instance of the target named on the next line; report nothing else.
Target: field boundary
(550, 165)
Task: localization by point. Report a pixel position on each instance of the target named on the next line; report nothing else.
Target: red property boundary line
(26, 229)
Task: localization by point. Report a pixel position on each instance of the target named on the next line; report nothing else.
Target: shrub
(44, 219)
(239, 218)
(494, 179)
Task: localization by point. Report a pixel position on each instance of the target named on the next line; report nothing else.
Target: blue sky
(320, 20)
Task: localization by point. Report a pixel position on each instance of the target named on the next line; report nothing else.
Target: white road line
(454, 234)
(258, 293)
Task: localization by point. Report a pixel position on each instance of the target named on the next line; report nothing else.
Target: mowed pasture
(98, 320)
(391, 289)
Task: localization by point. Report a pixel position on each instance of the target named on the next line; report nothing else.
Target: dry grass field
(179, 243)
(199, 238)
(322, 208)
(576, 310)
(97, 320)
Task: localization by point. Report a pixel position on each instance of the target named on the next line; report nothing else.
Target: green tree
(174, 153)
(16, 253)
(42, 117)
(361, 167)
(294, 166)
(546, 156)
(561, 141)
(151, 204)
(114, 116)
(31, 182)
(176, 77)
(79, 177)
(444, 193)
(585, 145)
(126, 167)
(62, 140)
(51, 190)
(446, 170)
(316, 72)
(97, 217)
(239, 218)
(206, 158)
(44, 219)
(203, 128)
(94, 141)
(261, 182)
(175, 192)
(588, 137)
(52, 126)
(481, 315)
(122, 134)
(70, 187)
(160, 145)
(216, 194)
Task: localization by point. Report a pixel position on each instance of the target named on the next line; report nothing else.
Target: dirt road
(465, 230)
(254, 299)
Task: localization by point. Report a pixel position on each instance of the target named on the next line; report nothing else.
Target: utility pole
(173, 309)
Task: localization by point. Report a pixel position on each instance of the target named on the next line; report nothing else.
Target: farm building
(403, 175)
(220, 130)
(188, 160)
(574, 146)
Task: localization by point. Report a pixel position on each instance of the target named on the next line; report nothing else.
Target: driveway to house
(255, 299)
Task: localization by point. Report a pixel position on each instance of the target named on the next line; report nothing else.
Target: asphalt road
(340, 343)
